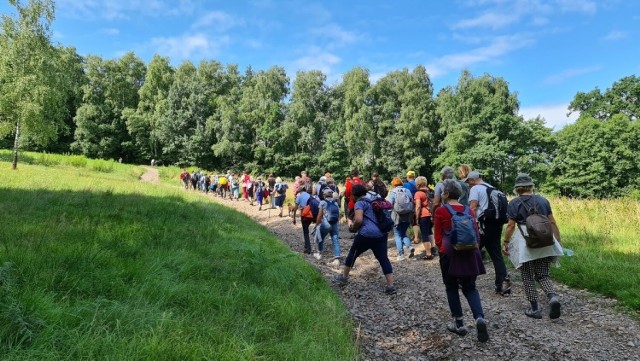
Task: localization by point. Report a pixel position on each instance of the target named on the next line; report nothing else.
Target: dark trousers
(305, 235)
(490, 238)
(469, 291)
(377, 245)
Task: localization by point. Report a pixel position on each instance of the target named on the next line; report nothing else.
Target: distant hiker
(355, 180)
(459, 268)
(248, 185)
(243, 184)
(534, 263)
(281, 193)
(260, 188)
(490, 228)
(185, 177)
(234, 180)
(368, 237)
(223, 183)
(422, 199)
(403, 211)
(377, 185)
(271, 183)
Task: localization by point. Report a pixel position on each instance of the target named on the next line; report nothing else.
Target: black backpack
(496, 212)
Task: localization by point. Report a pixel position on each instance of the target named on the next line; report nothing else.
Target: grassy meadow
(96, 265)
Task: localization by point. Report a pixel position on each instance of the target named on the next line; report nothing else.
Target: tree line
(217, 116)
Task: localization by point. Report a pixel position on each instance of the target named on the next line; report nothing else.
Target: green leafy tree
(622, 98)
(480, 127)
(32, 93)
(597, 158)
(112, 86)
(142, 122)
(405, 121)
(360, 132)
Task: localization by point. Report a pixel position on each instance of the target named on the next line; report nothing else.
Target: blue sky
(546, 49)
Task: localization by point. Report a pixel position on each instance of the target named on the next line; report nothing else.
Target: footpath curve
(411, 325)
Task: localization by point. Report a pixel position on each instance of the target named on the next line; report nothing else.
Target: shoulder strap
(529, 211)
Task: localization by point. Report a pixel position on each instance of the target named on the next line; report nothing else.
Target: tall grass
(96, 265)
(604, 235)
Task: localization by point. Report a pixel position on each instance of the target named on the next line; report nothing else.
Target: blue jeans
(469, 291)
(332, 229)
(377, 245)
(400, 234)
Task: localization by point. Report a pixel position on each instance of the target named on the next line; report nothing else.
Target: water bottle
(567, 252)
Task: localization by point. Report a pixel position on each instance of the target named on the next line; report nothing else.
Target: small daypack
(281, 188)
(310, 211)
(333, 212)
(403, 203)
(496, 212)
(463, 235)
(382, 209)
(539, 229)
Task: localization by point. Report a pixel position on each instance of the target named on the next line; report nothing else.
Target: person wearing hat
(490, 230)
(534, 263)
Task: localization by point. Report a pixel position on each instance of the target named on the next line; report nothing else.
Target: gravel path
(411, 325)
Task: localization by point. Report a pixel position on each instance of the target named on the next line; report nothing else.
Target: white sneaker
(336, 263)
(400, 258)
(317, 255)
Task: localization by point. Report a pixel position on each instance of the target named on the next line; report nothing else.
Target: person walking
(368, 237)
(490, 229)
(459, 268)
(281, 193)
(534, 263)
(423, 217)
(403, 211)
(302, 199)
(327, 223)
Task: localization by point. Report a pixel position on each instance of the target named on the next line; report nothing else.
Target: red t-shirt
(347, 191)
(442, 223)
(421, 198)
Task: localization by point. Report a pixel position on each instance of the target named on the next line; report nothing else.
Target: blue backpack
(333, 212)
(382, 209)
(463, 235)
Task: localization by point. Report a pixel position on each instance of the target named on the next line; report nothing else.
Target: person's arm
(357, 220)
(473, 205)
(508, 233)
(418, 201)
(556, 230)
(320, 214)
(295, 210)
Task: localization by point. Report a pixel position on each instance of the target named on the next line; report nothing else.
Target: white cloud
(568, 74)
(488, 20)
(583, 6)
(615, 35)
(111, 31)
(336, 35)
(123, 9)
(498, 47)
(217, 20)
(555, 115)
(315, 59)
(188, 45)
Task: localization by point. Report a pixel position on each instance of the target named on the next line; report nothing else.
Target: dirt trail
(412, 324)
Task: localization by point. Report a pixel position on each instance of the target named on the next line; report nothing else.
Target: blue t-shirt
(302, 199)
(411, 186)
(369, 228)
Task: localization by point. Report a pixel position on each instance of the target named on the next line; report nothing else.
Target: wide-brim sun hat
(523, 180)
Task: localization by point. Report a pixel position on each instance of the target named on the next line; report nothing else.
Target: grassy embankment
(97, 265)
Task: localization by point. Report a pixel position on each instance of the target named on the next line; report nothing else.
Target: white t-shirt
(478, 193)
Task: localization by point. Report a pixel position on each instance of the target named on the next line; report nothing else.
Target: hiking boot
(554, 308)
(533, 314)
(412, 252)
(481, 327)
(339, 280)
(460, 331)
(390, 290)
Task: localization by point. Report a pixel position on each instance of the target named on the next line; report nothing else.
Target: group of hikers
(458, 222)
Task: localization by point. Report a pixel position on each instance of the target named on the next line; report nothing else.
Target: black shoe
(554, 308)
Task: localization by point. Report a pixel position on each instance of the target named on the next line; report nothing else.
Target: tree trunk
(16, 143)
